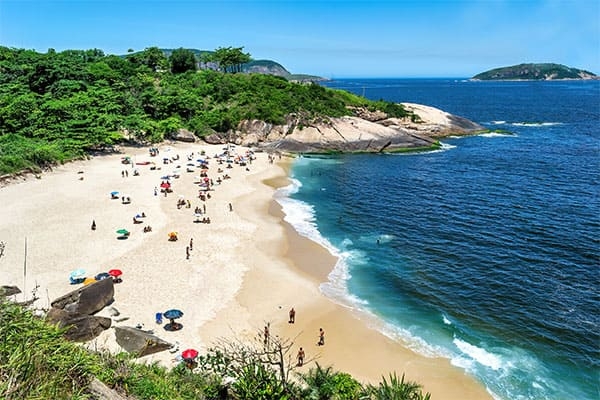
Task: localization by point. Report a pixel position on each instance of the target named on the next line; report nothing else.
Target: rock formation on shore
(366, 131)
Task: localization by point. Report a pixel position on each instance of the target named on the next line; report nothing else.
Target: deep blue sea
(486, 252)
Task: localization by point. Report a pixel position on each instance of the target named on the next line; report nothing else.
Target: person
(230, 207)
(187, 252)
(292, 316)
(300, 357)
(321, 337)
(191, 244)
(94, 225)
(266, 335)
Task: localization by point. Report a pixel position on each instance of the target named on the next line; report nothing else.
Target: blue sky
(329, 38)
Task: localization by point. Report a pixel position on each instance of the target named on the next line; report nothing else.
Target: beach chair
(158, 317)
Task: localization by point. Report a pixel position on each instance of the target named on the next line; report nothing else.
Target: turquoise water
(485, 252)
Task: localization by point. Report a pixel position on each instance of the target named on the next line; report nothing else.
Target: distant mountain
(267, 67)
(537, 72)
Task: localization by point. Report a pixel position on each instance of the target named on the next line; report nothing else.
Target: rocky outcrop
(88, 299)
(81, 327)
(75, 310)
(6, 291)
(367, 131)
(139, 342)
(183, 135)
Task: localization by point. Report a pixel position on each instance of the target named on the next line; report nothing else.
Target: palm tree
(396, 390)
(325, 384)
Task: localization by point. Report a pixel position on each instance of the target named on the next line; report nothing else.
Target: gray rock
(139, 342)
(113, 312)
(88, 299)
(183, 135)
(6, 291)
(81, 327)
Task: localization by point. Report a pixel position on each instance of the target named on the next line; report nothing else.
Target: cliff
(535, 72)
(366, 131)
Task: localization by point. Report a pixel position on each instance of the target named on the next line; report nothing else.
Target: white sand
(247, 268)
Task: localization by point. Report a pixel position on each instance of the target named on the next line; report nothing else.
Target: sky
(328, 38)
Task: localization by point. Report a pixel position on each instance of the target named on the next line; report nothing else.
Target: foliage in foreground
(37, 363)
(64, 104)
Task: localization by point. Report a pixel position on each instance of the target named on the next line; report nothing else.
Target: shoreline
(348, 330)
(248, 267)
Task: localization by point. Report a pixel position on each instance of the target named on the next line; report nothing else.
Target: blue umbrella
(173, 314)
(102, 275)
(77, 274)
(114, 193)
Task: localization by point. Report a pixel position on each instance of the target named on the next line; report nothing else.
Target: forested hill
(253, 66)
(535, 72)
(57, 106)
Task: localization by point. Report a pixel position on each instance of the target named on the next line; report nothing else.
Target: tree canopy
(182, 60)
(229, 59)
(56, 106)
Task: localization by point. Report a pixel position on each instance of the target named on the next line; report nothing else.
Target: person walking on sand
(187, 252)
(292, 316)
(191, 244)
(321, 337)
(230, 207)
(266, 335)
(300, 357)
(94, 225)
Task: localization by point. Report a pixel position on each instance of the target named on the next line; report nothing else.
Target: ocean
(486, 252)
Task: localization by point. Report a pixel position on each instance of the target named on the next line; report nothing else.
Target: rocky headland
(365, 131)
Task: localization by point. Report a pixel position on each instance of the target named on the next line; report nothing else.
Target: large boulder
(139, 342)
(81, 327)
(183, 135)
(88, 299)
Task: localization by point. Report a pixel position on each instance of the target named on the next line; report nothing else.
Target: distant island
(535, 72)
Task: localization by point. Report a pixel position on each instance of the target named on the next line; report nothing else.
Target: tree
(155, 59)
(396, 390)
(255, 366)
(182, 60)
(230, 59)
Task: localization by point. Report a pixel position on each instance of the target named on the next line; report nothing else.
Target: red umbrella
(189, 354)
(115, 273)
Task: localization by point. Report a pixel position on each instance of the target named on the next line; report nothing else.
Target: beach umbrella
(115, 273)
(102, 275)
(189, 354)
(122, 231)
(173, 313)
(114, 193)
(87, 281)
(77, 274)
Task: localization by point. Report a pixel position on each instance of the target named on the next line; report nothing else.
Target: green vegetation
(534, 72)
(57, 106)
(37, 363)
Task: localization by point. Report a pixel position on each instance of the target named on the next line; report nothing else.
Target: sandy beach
(246, 269)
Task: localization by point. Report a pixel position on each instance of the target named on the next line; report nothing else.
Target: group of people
(301, 355)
